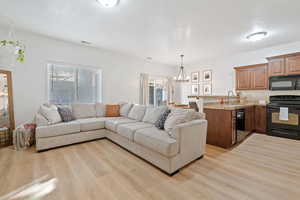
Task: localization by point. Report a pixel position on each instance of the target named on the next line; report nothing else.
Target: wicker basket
(5, 137)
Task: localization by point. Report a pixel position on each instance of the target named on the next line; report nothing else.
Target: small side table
(5, 137)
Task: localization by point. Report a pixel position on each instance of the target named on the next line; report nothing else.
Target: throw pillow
(112, 111)
(153, 113)
(125, 109)
(50, 113)
(160, 123)
(178, 116)
(65, 113)
(137, 112)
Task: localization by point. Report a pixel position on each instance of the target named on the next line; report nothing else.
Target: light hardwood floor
(263, 167)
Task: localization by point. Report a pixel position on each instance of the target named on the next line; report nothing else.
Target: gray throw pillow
(65, 114)
(160, 123)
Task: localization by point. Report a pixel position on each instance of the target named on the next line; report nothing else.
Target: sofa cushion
(157, 140)
(113, 123)
(81, 111)
(178, 116)
(125, 109)
(152, 114)
(100, 110)
(91, 124)
(128, 130)
(137, 112)
(50, 112)
(58, 129)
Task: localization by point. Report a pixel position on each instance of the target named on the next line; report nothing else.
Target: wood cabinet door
(260, 78)
(243, 79)
(293, 65)
(276, 67)
(260, 119)
(249, 119)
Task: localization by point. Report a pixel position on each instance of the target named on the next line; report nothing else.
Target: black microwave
(284, 82)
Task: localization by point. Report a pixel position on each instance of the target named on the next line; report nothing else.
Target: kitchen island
(222, 122)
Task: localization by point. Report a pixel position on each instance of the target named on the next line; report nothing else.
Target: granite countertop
(233, 106)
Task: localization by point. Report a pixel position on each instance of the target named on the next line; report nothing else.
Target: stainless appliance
(290, 127)
(284, 82)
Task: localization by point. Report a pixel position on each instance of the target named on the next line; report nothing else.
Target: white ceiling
(162, 29)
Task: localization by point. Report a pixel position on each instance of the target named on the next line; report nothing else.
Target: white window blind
(73, 84)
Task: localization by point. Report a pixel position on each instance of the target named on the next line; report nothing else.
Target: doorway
(7, 122)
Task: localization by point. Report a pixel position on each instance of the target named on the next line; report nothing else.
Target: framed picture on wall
(207, 75)
(195, 77)
(195, 89)
(207, 89)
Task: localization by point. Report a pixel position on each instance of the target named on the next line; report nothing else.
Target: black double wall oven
(289, 127)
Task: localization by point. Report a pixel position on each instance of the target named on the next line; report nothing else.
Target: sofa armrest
(191, 136)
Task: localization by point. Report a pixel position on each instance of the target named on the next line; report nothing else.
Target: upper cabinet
(252, 77)
(284, 65)
(276, 67)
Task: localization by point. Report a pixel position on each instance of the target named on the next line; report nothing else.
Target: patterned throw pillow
(65, 114)
(160, 123)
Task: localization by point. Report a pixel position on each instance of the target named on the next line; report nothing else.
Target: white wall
(120, 72)
(223, 72)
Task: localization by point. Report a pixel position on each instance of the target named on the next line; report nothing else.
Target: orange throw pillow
(112, 111)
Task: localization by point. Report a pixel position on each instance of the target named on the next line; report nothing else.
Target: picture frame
(195, 89)
(207, 75)
(195, 77)
(207, 89)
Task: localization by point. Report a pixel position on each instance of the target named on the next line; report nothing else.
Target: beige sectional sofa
(134, 130)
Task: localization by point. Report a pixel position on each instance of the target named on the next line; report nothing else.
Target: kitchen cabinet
(284, 65)
(252, 77)
(276, 67)
(249, 119)
(260, 119)
(293, 64)
(221, 127)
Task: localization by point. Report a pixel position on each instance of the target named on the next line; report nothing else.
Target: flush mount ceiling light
(257, 36)
(108, 3)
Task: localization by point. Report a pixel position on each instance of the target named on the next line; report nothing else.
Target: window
(73, 84)
(157, 92)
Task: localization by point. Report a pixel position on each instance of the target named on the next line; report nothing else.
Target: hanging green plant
(20, 48)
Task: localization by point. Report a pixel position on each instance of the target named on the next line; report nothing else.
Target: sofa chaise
(134, 130)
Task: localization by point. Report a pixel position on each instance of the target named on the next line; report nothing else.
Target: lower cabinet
(260, 119)
(221, 129)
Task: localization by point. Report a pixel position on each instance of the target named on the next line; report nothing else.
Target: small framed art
(207, 75)
(195, 89)
(195, 77)
(207, 89)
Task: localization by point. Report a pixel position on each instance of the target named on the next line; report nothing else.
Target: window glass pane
(70, 84)
(62, 85)
(86, 86)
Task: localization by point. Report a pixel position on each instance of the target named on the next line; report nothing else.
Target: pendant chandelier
(182, 77)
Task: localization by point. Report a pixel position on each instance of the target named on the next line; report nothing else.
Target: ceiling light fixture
(108, 3)
(182, 77)
(257, 36)
(85, 42)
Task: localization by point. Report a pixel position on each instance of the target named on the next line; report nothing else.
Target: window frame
(76, 67)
